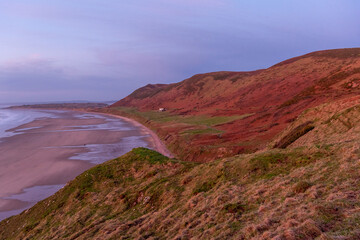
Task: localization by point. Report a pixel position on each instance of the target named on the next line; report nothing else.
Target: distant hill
(77, 105)
(291, 83)
(270, 98)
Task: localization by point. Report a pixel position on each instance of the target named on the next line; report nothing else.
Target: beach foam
(11, 118)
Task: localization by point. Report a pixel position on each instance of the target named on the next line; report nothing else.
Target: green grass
(202, 131)
(148, 115)
(264, 162)
(151, 157)
(203, 187)
(163, 117)
(211, 121)
(271, 164)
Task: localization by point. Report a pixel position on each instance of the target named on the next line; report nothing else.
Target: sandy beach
(154, 140)
(46, 153)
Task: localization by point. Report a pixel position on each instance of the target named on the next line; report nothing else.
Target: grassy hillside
(191, 138)
(308, 190)
(256, 105)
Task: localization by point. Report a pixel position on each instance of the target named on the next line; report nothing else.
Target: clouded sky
(103, 50)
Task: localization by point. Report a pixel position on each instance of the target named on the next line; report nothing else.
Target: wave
(11, 118)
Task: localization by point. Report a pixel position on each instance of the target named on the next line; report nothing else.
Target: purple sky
(103, 50)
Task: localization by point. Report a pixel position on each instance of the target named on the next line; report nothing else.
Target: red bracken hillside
(268, 100)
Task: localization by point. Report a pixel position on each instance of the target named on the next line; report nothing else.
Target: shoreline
(57, 140)
(159, 146)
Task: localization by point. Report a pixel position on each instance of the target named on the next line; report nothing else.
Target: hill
(221, 114)
(309, 190)
(76, 106)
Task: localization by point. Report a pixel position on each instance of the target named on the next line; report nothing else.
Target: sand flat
(43, 152)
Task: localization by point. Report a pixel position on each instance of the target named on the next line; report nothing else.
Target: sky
(96, 50)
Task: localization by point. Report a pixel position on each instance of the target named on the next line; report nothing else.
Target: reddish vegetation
(275, 96)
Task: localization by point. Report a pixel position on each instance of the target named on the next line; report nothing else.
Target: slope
(309, 190)
(225, 113)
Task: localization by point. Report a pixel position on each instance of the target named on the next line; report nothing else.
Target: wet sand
(155, 141)
(46, 153)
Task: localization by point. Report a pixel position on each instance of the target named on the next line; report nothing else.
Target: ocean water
(31, 196)
(11, 118)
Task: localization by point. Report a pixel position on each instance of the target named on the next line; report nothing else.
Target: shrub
(265, 161)
(151, 156)
(236, 208)
(301, 187)
(204, 187)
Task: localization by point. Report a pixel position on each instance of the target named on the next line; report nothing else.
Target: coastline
(56, 148)
(158, 145)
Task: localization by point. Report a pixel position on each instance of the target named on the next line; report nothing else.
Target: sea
(11, 118)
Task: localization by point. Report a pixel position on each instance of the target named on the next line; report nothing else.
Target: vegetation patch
(235, 208)
(202, 131)
(166, 117)
(203, 187)
(329, 215)
(163, 117)
(301, 187)
(151, 156)
(210, 121)
(271, 164)
(264, 162)
(84, 184)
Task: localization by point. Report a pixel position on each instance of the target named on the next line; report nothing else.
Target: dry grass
(296, 193)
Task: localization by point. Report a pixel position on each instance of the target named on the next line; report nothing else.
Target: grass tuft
(301, 187)
(235, 208)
